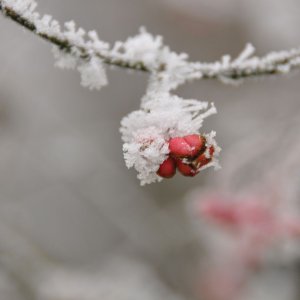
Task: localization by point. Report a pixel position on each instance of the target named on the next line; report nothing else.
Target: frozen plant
(163, 116)
(148, 132)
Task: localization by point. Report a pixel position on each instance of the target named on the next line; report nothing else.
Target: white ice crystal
(146, 132)
(95, 44)
(93, 74)
(210, 141)
(143, 47)
(146, 152)
(146, 50)
(23, 7)
(63, 59)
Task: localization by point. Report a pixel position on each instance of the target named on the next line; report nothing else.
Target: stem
(272, 63)
(64, 44)
(243, 70)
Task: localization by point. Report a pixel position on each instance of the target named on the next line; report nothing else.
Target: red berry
(186, 169)
(167, 169)
(196, 142)
(179, 147)
(187, 146)
(202, 160)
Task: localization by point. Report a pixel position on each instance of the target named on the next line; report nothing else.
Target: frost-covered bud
(186, 169)
(187, 146)
(168, 168)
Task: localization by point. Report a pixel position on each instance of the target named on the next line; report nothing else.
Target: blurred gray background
(64, 187)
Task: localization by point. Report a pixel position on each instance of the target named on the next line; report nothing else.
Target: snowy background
(75, 223)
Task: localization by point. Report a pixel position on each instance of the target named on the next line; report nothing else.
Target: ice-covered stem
(225, 69)
(64, 43)
(247, 66)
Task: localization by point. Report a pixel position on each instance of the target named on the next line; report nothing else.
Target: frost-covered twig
(248, 66)
(157, 58)
(49, 30)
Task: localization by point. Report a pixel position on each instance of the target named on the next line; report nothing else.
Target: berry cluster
(188, 154)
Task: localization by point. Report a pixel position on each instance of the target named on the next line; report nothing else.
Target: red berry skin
(167, 169)
(186, 169)
(196, 142)
(202, 160)
(179, 147)
(187, 146)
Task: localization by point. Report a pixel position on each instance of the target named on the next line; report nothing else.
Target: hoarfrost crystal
(93, 74)
(63, 59)
(143, 47)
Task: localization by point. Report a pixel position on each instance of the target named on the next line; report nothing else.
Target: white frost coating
(245, 54)
(148, 52)
(143, 47)
(246, 65)
(93, 74)
(146, 132)
(23, 7)
(95, 44)
(63, 59)
(146, 151)
(210, 141)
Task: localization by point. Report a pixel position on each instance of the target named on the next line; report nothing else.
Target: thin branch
(228, 71)
(65, 44)
(280, 62)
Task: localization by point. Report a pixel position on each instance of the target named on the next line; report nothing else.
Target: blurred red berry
(219, 210)
(167, 169)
